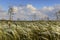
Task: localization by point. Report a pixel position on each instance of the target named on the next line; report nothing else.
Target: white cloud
(50, 11)
(45, 8)
(41, 14)
(31, 7)
(15, 9)
(27, 12)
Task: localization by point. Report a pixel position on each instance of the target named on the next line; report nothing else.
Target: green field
(29, 30)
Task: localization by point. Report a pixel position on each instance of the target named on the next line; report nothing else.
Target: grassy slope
(29, 30)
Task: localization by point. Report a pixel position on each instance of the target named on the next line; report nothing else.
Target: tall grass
(29, 30)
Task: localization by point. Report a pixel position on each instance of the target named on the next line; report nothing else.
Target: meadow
(29, 30)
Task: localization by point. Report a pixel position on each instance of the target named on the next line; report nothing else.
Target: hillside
(29, 30)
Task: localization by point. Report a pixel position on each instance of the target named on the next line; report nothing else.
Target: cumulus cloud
(15, 9)
(31, 7)
(50, 11)
(3, 14)
(48, 8)
(29, 12)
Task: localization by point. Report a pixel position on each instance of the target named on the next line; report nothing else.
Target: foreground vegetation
(37, 30)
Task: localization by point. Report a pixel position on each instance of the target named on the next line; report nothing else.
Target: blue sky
(36, 3)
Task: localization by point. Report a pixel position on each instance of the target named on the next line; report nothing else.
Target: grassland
(29, 30)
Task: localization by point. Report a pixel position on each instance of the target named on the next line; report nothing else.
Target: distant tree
(58, 15)
(10, 11)
(34, 17)
(47, 18)
(18, 19)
